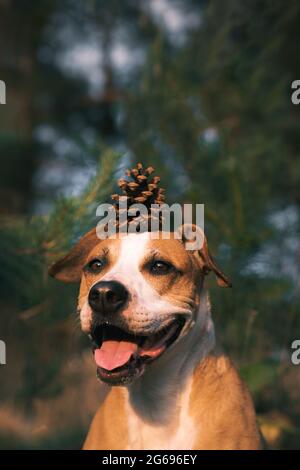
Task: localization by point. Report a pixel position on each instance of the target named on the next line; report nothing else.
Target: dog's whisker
(183, 301)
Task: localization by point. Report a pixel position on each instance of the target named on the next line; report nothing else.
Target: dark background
(202, 91)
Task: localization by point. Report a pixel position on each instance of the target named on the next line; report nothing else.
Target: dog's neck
(155, 396)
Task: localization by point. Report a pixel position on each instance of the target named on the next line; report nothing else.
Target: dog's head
(138, 296)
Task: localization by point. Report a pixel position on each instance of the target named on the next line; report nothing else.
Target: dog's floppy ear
(194, 239)
(69, 268)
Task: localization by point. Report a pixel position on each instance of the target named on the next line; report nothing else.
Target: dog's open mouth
(121, 356)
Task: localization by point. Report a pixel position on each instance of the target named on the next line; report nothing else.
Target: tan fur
(109, 427)
(221, 402)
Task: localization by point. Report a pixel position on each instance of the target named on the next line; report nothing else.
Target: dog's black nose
(107, 296)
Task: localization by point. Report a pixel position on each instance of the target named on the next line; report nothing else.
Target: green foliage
(40, 306)
(260, 375)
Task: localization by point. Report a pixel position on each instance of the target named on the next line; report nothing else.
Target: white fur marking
(86, 317)
(152, 437)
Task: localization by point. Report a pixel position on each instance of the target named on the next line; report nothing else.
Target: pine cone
(142, 189)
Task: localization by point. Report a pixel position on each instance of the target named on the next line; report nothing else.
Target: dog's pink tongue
(113, 354)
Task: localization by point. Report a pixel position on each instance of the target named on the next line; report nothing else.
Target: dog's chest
(178, 435)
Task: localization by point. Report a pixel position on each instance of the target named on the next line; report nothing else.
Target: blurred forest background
(200, 90)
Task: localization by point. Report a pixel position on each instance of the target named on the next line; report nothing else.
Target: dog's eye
(161, 267)
(95, 266)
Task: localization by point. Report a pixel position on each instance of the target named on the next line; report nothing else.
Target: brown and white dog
(143, 303)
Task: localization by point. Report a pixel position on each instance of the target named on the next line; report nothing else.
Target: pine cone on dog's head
(141, 189)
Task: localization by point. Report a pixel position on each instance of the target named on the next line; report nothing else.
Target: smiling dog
(143, 303)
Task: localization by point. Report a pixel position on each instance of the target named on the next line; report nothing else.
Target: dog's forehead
(133, 247)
